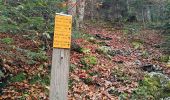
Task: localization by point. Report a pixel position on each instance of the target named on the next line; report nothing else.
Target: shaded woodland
(120, 49)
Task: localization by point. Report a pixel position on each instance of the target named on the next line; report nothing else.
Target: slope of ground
(106, 66)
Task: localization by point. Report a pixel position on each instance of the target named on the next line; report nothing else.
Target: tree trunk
(80, 13)
(143, 17)
(92, 9)
(5, 2)
(72, 7)
(148, 14)
(72, 10)
(128, 6)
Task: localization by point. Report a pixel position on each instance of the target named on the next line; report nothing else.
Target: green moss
(123, 96)
(86, 51)
(72, 67)
(137, 44)
(88, 81)
(80, 34)
(164, 58)
(120, 75)
(91, 60)
(88, 62)
(167, 87)
(76, 47)
(45, 80)
(1, 74)
(37, 56)
(154, 85)
(7, 40)
(70, 83)
(94, 73)
(104, 50)
(18, 78)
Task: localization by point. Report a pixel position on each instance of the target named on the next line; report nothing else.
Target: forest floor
(107, 63)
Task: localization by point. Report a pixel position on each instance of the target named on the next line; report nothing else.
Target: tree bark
(5, 2)
(148, 13)
(72, 7)
(92, 9)
(80, 13)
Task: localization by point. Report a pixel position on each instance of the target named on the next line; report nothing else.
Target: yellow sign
(62, 31)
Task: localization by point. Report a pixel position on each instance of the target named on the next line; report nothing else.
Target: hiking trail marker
(61, 57)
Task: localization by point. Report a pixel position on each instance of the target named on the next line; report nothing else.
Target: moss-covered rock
(155, 85)
(106, 51)
(88, 62)
(164, 58)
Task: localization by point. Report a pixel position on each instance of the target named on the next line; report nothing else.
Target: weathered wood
(59, 74)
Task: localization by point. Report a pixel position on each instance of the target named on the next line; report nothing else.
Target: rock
(164, 83)
(127, 52)
(92, 40)
(168, 98)
(102, 43)
(151, 68)
(113, 91)
(138, 62)
(155, 85)
(123, 52)
(163, 78)
(104, 50)
(99, 36)
(112, 52)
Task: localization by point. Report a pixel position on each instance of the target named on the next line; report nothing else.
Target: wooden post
(61, 57)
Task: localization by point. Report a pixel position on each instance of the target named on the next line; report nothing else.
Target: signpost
(61, 57)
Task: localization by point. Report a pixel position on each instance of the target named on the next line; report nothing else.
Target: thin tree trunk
(128, 8)
(148, 13)
(72, 7)
(72, 10)
(92, 9)
(143, 18)
(5, 2)
(80, 13)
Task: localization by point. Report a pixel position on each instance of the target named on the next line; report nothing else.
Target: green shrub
(26, 15)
